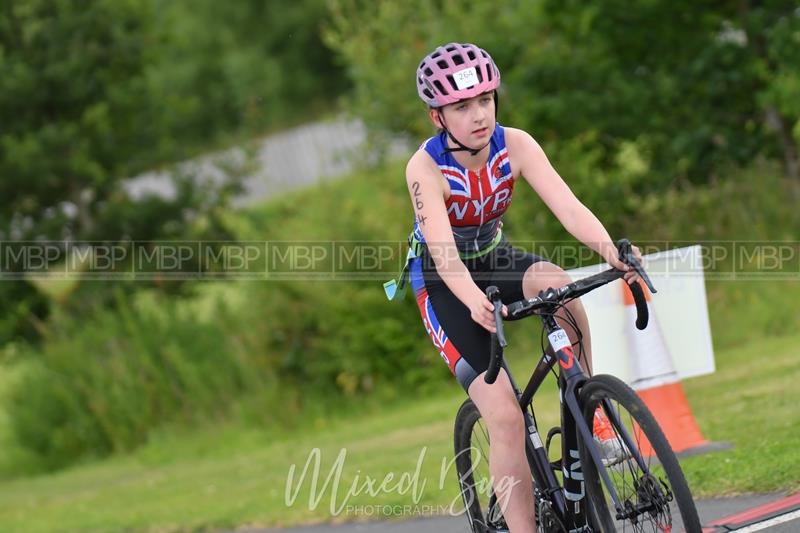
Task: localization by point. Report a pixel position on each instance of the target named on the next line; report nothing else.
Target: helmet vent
(454, 72)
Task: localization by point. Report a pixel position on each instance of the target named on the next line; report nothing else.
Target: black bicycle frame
(569, 504)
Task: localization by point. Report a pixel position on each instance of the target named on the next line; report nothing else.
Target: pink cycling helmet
(456, 72)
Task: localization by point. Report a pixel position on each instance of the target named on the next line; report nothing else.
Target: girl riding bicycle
(461, 182)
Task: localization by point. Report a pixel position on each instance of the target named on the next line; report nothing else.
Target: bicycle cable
(570, 320)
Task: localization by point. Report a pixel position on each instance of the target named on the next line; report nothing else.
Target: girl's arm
(427, 196)
(531, 162)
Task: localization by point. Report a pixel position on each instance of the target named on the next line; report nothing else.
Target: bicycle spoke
(652, 493)
(484, 456)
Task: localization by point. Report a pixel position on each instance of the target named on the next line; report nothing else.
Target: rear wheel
(654, 495)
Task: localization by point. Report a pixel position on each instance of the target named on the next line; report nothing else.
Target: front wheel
(653, 495)
(472, 465)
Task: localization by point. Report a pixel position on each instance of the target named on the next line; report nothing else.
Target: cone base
(706, 447)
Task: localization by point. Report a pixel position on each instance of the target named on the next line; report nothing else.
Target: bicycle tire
(646, 488)
(468, 420)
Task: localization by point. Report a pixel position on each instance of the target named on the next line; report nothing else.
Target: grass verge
(222, 478)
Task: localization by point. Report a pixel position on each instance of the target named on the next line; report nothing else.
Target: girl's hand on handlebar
(630, 276)
(482, 311)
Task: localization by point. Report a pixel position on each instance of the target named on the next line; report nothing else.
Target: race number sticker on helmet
(465, 78)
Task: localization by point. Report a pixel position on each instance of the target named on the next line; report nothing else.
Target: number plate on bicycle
(559, 340)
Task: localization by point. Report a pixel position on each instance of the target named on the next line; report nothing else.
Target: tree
(680, 90)
(75, 117)
(771, 31)
(239, 68)
(70, 102)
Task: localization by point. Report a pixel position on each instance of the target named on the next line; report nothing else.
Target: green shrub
(280, 353)
(105, 383)
(102, 383)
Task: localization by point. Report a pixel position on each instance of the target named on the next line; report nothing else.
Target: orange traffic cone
(658, 385)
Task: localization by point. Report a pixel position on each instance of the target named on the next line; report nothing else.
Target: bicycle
(636, 486)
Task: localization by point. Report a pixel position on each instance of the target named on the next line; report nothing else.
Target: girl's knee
(541, 276)
(506, 425)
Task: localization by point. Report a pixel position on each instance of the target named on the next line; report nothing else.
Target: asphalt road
(711, 511)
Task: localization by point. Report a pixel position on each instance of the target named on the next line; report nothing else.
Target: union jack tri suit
(475, 207)
(477, 199)
(477, 202)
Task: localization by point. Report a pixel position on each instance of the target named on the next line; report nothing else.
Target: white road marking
(769, 523)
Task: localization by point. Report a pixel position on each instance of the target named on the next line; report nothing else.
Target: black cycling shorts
(463, 343)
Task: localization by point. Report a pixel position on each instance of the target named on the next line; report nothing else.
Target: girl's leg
(508, 464)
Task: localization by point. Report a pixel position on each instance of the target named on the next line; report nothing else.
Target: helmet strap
(461, 146)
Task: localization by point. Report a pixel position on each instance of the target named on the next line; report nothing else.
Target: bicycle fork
(571, 377)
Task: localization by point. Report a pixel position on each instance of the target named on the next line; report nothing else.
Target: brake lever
(627, 257)
(493, 294)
